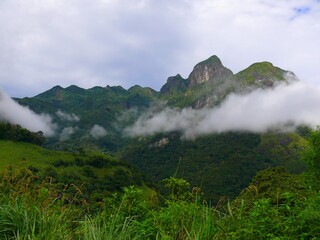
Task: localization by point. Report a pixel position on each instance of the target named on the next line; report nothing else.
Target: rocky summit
(209, 70)
(114, 108)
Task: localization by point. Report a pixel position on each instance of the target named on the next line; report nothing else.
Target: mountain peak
(214, 59)
(55, 89)
(174, 83)
(51, 92)
(75, 89)
(211, 70)
(263, 74)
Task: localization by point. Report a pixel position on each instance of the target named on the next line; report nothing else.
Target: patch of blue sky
(303, 10)
(300, 11)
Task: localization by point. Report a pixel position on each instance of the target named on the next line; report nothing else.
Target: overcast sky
(44, 43)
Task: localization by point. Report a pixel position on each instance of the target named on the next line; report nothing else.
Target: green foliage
(129, 217)
(262, 221)
(179, 188)
(88, 195)
(222, 165)
(260, 74)
(111, 107)
(19, 134)
(309, 218)
(275, 184)
(272, 207)
(311, 156)
(21, 220)
(185, 220)
(284, 149)
(120, 218)
(175, 85)
(31, 209)
(96, 175)
(115, 108)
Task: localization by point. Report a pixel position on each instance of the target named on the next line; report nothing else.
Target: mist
(97, 131)
(282, 108)
(67, 132)
(67, 117)
(12, 112)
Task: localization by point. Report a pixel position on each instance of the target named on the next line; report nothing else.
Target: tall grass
(121, 218)
(179, 220)
(174, 220)
(32, 210)
(22, 220)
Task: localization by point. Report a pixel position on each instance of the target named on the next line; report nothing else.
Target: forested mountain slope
(220, 163)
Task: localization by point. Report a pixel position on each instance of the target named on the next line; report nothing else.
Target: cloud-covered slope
(14, 113)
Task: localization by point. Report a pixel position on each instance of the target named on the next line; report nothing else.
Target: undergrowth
(30, 209)
(276, 205)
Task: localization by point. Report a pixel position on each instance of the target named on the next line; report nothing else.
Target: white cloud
(67, 117)
(282, 108)
(98, 131)
(67, 132)
(100, 42)
(84, 42)
(14, 113)
(243, 32)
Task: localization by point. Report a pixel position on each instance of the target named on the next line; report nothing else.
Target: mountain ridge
(207, 70)
(113, 109)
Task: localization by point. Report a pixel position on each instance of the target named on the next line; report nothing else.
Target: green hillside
(262, 74)
(221, 164)
(231, 185)
(115, 108)
(26, 154)
(96, 174)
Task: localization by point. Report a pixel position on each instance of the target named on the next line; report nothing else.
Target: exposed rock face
(175, 83)
(209, 70)
(207, 101)
(160, 143)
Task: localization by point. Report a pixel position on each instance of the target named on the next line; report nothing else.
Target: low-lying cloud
(283, 108)
(67, 117)
(67, 132)
(14, 113)
(98, 131)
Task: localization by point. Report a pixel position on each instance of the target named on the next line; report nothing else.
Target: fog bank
(282, 108)
(11, 111)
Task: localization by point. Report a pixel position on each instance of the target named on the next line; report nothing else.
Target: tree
(311, 156)
(179, 188)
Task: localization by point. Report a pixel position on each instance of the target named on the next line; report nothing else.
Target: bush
(62, 163)
(98, 162)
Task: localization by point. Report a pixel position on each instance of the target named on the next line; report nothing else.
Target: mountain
(175, 84)
(112, 108)
(210, 83)
(95, 174)
(262, 74)
(210, 70)
(221, 164)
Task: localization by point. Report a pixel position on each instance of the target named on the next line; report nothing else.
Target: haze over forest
(284, 107)
(146, 119)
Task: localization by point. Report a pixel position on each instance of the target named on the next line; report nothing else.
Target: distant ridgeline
(221, 164)
(19, 134)
(115, 108)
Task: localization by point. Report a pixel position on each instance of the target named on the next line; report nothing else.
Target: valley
(103, 176)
